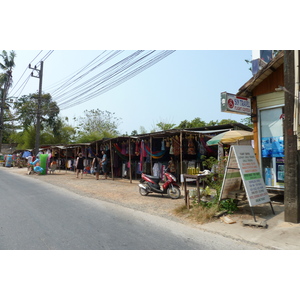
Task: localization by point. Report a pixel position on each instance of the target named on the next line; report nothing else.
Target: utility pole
(292, 155)
(38, 113)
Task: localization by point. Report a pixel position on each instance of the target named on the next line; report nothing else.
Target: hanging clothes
(171, 148)
(157, 169)
(176, 146)
(191, 147)
(163, 145)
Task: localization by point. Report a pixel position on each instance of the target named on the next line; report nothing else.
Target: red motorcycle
(150, 184)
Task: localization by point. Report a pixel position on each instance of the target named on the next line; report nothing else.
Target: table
(197, 178)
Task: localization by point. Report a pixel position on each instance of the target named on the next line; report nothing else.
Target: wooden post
(181, 166)
(111, 160)
(151, 166)
(129, 154)
(292, 156)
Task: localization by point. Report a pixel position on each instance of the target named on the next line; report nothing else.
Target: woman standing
(96, 166)
(79, 165)
(104, 164)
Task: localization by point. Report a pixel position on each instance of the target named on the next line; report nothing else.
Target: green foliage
(229, 204)
(26, 110)
(195, 123)
(96, 124)
(247, 121)
(165, 126)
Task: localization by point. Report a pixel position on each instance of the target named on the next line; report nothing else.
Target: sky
(182, 86)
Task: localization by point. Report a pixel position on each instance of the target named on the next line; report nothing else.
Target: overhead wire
(90, 82)
(63, 81)
(69, 83)
(67, 96)
(24, 73)
(112, 77)
(27, 79)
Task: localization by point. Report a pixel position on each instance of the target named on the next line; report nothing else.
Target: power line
(69, 83)
(26, 69)
(111, 77)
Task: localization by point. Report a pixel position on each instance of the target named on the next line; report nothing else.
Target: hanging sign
(242, 166)
(234, 104)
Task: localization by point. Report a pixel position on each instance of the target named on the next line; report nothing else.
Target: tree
(59, 133)
(165, 126)
(247, 121)
(134, 132)
(191, 124)
(97, 124)
(26, 110)
(5, 83)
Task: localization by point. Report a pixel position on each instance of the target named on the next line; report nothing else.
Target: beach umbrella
(231, 136)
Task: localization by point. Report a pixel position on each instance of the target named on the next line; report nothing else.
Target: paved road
(36, 215)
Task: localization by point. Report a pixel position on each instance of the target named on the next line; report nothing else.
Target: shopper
(96, 166)
(104, 164)
(79, 165)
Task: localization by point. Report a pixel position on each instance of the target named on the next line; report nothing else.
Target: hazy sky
(184, 85)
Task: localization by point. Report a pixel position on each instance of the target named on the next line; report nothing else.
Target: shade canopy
(229, 137)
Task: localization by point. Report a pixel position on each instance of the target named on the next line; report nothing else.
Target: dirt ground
(122, 192)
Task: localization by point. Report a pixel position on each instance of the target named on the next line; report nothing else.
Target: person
(104, 164)
(96, 166)
(172, 167)
(79, 165)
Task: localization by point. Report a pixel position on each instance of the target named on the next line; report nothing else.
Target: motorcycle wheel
(143, 192)
(174, 192)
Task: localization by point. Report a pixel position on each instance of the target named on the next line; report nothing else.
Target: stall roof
(207, 130)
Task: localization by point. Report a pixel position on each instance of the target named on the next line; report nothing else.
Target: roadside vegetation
(209, 206)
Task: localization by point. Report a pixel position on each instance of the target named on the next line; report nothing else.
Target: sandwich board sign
(241, 167)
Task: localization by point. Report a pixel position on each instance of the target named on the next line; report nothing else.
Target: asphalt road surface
(35, 215)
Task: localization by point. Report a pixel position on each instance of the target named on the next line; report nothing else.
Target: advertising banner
(242, 165)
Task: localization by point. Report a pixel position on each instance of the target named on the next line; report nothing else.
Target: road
(35, 215)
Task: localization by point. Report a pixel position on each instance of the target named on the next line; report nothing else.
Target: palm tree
(5, 82)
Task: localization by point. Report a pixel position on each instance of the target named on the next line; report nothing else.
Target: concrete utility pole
(38, 113)
(292, 155)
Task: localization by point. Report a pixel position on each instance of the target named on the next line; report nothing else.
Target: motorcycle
(150, 184)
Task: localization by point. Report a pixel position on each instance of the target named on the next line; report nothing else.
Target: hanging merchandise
(201, 148)
(176, 146)
(168, 143)
(157, 169)
(141, 155)
(154, 154)
(137, 148)
(163, 145)
(191, 146)
(119, 151)
(123, 151)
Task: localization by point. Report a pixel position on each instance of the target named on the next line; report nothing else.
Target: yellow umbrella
(231, 136)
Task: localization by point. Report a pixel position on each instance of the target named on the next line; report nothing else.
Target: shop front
(268, 121)
(272, 146)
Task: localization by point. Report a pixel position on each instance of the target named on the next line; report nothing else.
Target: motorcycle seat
(154, 178)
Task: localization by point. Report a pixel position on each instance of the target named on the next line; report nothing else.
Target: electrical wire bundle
(106, 79)
(73, 90)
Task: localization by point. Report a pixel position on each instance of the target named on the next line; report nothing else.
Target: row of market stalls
(150, 153)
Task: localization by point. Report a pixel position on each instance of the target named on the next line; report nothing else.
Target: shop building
(267, 114)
